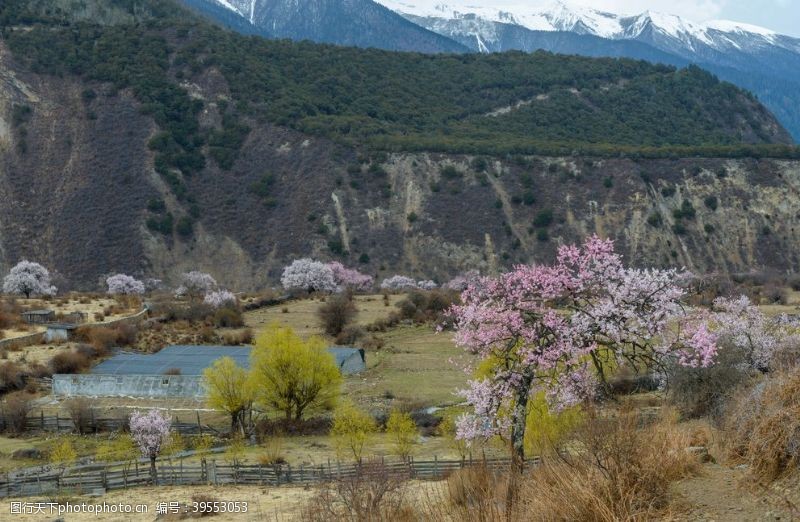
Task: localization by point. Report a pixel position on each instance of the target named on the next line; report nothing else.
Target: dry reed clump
(618, 470)
(763, 427)
(374, 493)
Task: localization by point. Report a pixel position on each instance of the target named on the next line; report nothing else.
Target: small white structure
(59, 332)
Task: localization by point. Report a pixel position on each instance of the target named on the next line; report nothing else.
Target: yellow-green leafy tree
(229, 388)
(202, 445)
(235, 453)
(63, 453)
(175, 444)
(351, 429)
(547, 431)
(119, 449)
(293, 376)
(447, 429)
(402, 431)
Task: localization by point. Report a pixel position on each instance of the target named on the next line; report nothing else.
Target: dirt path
(726, 494)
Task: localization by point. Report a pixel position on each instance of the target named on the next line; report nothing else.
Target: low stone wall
(22, 341)
(146, 386)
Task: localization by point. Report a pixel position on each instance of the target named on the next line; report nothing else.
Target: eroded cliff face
(77, 185)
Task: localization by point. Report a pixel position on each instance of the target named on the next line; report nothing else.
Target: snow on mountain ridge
(560, 16)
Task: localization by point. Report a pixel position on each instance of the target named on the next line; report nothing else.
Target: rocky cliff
(78, 189)
(84, 190)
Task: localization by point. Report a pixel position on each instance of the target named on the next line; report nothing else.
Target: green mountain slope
(512, 102)
(137, 138)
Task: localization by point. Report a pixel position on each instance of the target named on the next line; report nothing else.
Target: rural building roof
(62, 326)
(191, 359)
(38, 312)
(342, 353)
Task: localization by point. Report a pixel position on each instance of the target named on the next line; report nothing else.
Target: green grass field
(416, 366)
(301, 314)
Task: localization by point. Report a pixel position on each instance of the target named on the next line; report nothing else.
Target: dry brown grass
(618, 471)
(763, 427)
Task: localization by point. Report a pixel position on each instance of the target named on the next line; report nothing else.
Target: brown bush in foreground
(69, 362)
(238, 338)
(16, 408)
(373, 493)
(228, 318)
(12, 377)
(617, 471)
(80, 411)
(337, 313)
(763, 427)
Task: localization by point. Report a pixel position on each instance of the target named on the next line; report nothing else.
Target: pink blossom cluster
(149, 431)
(195, 284)
(121, 284)
(220, 299)
(740, 324)
(552, 325)
(28, 278)
(350, 278)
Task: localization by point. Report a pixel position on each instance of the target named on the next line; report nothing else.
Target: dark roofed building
(38, 316)
(175, 371)
(349, 360)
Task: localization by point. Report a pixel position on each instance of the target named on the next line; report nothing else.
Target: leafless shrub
(11, 377)
(172, 371)
(337, 313)
(373, 493)
(620, 470)
(228, 318)
(69, 362)
(238, 338)
(763, 426)
(80, 412)
(16, 408)
(774, 294)
(698, 392)
(350, 335)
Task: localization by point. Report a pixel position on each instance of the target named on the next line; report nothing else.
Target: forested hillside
(136, 137)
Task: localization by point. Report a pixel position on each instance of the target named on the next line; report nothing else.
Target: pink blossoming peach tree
(150, 431)
(559, 328)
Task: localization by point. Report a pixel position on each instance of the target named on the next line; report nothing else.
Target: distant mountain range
(760, 60)
(359, 23)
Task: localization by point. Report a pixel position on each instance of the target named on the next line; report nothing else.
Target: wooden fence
(96, 479)
(190, 424)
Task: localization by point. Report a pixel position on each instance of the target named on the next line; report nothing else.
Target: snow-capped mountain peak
(557, 15)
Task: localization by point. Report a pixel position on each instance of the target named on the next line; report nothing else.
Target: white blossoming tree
(195, 285)
(122, 284)
(28, 278)
(307, 275)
